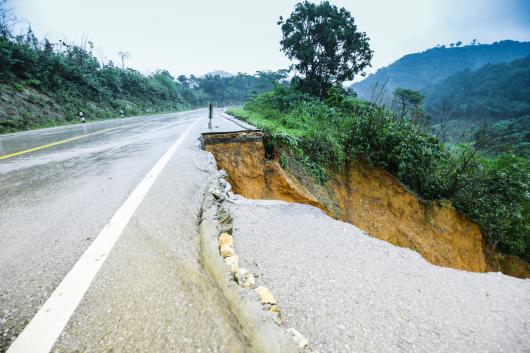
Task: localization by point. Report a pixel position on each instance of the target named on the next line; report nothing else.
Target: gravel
(348, 292)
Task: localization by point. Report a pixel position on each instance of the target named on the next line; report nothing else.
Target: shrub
(323, 136)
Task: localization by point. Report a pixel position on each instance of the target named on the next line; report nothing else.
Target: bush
(323, 136)
(72, 76)
(496, 194)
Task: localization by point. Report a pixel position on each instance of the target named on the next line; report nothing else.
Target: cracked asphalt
(349, 292)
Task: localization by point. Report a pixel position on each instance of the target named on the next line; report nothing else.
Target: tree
(459, 43)
(124, 56)
(408, 101)
(183, 80)
(325, 45)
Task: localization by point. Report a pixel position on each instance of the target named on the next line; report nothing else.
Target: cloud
(241, 35)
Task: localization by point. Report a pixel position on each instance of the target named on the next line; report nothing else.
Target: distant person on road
(82, 117)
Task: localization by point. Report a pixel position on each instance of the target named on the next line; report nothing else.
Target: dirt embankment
(369, 198)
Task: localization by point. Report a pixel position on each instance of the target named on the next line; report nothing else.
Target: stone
(216, 193)
(233, 263)
(225, 239)
(266, 295)
(227, 250)
(277, 318)
(224, 217)
(298, 338)
(245, 278)
(274, 308)
(227, 228)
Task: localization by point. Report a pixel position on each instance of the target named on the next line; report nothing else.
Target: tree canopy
(63, 78)
(326, 46)
(407, 101)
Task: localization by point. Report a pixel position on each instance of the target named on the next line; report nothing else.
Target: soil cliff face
(242, 156)
(369, 198)
(376, 202)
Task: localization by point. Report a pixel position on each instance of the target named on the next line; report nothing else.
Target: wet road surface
(151, 293)
(348, 292)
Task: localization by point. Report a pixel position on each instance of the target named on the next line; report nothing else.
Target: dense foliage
(75, 80)
(324, 135)
(494, 100)
(326, 46)
(493, 91)
(507, 136)
(420, 70)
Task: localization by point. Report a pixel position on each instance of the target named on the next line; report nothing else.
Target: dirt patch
(242, 155)
(376, 202)
(366, 197)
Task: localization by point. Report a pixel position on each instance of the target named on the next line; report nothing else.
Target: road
(147, 290)
(348, 292)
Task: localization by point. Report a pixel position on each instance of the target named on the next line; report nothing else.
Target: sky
(200, 36)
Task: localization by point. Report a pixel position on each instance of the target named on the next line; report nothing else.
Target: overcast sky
(199, 36)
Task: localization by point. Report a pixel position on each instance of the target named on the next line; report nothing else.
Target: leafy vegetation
(420, 70)
(65, 78)
(492, 92)
(325, 43)
(507, 136)
(492, 101)
(325, 131)
(324, 135)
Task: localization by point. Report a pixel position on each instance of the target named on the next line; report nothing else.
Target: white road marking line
(40, 334)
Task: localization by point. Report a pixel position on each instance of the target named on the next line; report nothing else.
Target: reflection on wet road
(151, 294)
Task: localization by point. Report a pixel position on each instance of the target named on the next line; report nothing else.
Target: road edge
(261, 326)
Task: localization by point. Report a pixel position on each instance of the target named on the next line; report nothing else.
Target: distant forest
(493, 100)
(472, 94)
(45, 84)
(493, 91)
(420, 70)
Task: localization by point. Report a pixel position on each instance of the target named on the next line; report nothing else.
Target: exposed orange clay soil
(367, 197)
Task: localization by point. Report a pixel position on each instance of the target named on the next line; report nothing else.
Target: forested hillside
(419, 70)
(494, 91)
(494, 99)
(45, 84)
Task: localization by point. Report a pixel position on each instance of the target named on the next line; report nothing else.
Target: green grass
(260, 120)
(323, 136)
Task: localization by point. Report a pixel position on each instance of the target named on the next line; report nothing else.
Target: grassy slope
(26, 108)
(320, 137)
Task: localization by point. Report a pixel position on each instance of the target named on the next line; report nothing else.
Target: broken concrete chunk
(298, 338)
(225, 239)
(277, 318)
(246, 279)
(233, 263)
(224, 217)
(227, 228)
(273, 308)
(227, 250)
(266, 295)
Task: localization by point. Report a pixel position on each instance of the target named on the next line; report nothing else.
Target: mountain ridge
(420, 70)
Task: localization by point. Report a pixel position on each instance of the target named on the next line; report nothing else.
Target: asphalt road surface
(144, 288)
(348, 292)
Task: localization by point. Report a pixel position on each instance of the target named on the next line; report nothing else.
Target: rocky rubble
(255, 308)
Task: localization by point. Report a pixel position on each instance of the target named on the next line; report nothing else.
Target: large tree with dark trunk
(326, 46)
